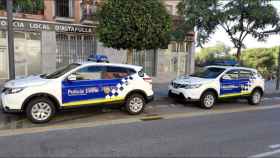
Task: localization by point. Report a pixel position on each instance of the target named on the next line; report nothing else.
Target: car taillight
(148, 79)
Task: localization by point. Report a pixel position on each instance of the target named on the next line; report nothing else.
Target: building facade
(53, 33)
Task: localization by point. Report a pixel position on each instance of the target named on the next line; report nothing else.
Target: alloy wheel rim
(256, 97)
(209, 100)
(41, 111)
(136, 104)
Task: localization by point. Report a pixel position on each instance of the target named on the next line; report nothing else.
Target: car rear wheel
(255, 98)
(135, 104)
(208, 100)
(40, 110)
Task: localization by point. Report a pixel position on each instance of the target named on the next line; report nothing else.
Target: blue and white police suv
(217, 82)
(78, 84)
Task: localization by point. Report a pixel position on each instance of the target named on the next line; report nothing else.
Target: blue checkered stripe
(246, 87)
(120, 87)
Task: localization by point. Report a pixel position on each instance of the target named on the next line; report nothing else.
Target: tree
(218, 52)
(134, 24)
(238, 18)
(262, 59)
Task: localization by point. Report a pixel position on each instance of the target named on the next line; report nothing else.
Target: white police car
(78, 84)
(216, 82)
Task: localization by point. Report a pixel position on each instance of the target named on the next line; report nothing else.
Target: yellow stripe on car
(235, 94)
(95, 101)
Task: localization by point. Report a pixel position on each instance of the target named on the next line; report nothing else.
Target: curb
(270, 95)
(33, 130)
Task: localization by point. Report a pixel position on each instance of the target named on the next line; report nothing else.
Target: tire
(135, 104)
(208, 100)
(255, 97)
(170, 94)
(46, 107)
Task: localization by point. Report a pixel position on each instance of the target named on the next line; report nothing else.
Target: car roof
(90, 63)
(232, 67)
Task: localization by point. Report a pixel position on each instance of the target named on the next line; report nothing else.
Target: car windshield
(61, 71)
(211, 72)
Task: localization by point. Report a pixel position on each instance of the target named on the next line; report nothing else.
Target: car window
(211, 72)
(113, 72)
(233, 74)
(61, 71)
(90, 73)
(245, 74)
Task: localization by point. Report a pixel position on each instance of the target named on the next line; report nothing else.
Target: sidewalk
(270, 87)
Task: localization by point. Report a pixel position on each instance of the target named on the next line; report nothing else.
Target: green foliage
(23, 5)
(134, 24)
(263, 59)
(39, 5)
(239, 18)
(28, 6)
(210, 54)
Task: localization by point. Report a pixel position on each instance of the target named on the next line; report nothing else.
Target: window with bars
(25, 6)
(64, 8)
(2, 4)
(88, 9)
(178, 47)
(73, 48)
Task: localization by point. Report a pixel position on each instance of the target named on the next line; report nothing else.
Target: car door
(230, 84)
(85, 88)
(114, 82)
(246, 79)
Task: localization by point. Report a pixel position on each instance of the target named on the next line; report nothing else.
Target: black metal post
(10, 39)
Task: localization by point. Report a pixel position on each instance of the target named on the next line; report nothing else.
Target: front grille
(177, 85)
(3, 90)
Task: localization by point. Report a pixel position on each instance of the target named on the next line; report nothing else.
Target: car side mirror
(72, 77)
(226, 77)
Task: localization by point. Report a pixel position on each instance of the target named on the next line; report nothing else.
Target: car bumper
(150, 98)
(187, 94)
(6, 107)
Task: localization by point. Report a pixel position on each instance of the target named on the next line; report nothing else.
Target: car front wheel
(207, 100)
(135, 104)
(255, 98)
(40, 110)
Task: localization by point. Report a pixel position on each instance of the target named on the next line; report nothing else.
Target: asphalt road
(239, 134)
(157, 108)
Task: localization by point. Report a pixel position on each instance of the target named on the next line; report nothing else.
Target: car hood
(191, 80)
(26, 82)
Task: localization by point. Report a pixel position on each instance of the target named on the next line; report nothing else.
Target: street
(158, 108)
(229, 130)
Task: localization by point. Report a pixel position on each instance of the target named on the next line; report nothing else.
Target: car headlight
(192, 86)
(13, 90)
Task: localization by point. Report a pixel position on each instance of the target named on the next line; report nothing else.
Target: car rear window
(117, 72)
(245, 74)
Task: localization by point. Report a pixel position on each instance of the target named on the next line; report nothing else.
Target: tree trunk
(129, 56)
(238, 54)
(278, 72)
